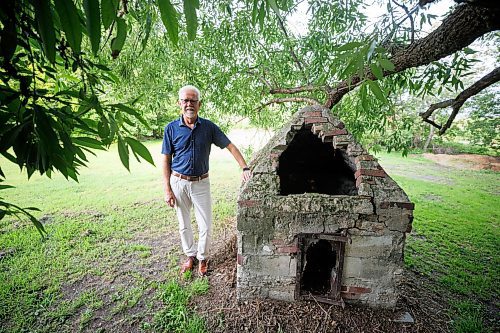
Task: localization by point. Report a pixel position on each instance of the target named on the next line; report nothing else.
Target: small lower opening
(318, 270)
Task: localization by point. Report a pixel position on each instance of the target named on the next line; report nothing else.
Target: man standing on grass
(186, 149)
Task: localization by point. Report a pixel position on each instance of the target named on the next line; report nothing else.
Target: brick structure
(320, 219)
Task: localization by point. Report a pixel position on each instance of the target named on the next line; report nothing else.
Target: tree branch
(410, 17)
(456, 104)
(289, 99)
(300, 89)
(458, 30)
(292, 52)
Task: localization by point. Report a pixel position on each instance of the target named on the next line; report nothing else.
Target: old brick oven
(320, 219)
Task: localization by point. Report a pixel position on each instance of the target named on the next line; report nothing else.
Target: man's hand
(170, 198)
(246, 175)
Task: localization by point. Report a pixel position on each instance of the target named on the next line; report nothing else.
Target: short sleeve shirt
(190, 148)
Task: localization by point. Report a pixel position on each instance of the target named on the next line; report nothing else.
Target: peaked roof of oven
(371, 179)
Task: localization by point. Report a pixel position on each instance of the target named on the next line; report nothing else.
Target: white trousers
(194, 194)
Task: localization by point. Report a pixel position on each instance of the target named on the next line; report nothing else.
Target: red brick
(287, 249)
(359, 290)
(248, 203)
(369, 172)
(278, 242)
(314, 120)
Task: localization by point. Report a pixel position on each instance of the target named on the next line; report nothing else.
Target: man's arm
(167, 171)
(241, 161)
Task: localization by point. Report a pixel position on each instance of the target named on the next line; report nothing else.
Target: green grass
(455, 239)
(176, 316)
(112, 249)
(95, 227)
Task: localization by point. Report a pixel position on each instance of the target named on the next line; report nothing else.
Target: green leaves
(190, 7)
(119, 40)
(89, 142)
(70, 22)
(43, 17)
(169, 18)
(93, 21)
(108, 12)
(140, 149)
(349, 46)
(386, 64)
(123, 152)
(377, 71)
(375, 88)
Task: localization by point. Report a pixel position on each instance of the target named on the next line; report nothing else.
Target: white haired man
(186, 148)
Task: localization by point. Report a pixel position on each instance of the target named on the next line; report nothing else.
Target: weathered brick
(312, 114)
(249, 203)
(278, 242)
(369, 172)
(288, 249)
(372, 165)
(334, 132)
(240, 259)
(359, 290)
(314, 120)
(364, 158)
(317, 128)
(366, 180)
(404, 205)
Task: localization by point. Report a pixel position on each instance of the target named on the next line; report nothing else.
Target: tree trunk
(431, 135)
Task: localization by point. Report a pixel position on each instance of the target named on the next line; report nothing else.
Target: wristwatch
(246, 169)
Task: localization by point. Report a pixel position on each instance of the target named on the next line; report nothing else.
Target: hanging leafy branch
(53, 106)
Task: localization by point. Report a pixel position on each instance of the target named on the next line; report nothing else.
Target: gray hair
(190, 87)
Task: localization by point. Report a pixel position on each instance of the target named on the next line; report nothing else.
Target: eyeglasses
(187, 101)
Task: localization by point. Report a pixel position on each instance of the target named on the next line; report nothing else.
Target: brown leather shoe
(202, 268)
(188, 265)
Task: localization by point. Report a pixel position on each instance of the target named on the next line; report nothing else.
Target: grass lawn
(110, 261)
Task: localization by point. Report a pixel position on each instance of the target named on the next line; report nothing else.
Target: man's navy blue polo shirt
(190, 148)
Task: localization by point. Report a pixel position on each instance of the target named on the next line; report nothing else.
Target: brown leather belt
(190, 178)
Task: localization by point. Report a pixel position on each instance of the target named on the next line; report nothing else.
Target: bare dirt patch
(466, 161)
(223, 313)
